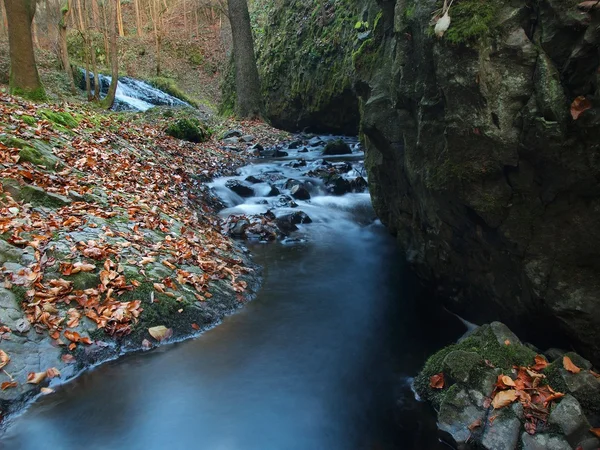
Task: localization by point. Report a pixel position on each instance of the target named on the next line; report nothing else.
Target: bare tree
(114, 57)
(247, 85)
(62, 38)
(24, 77)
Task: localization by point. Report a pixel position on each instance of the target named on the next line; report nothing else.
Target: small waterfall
(134, 94)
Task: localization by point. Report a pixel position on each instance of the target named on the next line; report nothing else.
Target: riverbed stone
(337, 147)
(541, 441)
(503, 433)
(457, 412)
(232, 134)
(569, 418)
(299, 192)
(239, 188)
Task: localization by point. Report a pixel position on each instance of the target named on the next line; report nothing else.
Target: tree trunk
(24, 77)
(138, 18)
(120, 19)
(109, 101)
(62, 38)
(247, 85)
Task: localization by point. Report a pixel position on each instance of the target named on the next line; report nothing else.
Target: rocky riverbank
(492, 391)
(110, 242)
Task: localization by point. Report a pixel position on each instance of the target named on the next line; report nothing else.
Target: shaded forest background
(180, 46)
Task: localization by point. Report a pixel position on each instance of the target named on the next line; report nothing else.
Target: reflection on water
(322, 359)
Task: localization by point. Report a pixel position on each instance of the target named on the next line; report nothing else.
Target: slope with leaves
(107, 234)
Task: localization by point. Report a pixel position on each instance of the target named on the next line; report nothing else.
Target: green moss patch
(62, 118)
(472, 20)
(188, 129)
(169, 86)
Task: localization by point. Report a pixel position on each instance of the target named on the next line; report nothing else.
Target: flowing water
(321, 360)
(134, 94)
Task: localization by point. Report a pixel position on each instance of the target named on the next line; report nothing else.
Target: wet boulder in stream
(337, 147)
(299, 192)
(240, 189)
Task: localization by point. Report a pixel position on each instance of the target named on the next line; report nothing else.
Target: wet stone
(569, 418)
(239, 188)
(300, 192)
(543, 442)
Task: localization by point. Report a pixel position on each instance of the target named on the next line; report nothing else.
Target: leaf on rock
(36, 377)
(540, 363)
(195, 326)
(504, 382)
(568, 364)
(46, 391)
(160, 333)
(53, 372)
(595, 432)
(437, 381)
(8, 384)
(67, 358)
(475, 424)
(4, 359)
(504, 398)
(579, 106)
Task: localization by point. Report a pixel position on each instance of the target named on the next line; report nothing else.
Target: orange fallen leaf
(53, 372)
(568, 364)
(507, 342)
(437, 381)
(595, 431)
(579, 106)
(597, 375)
(4, 359)
(504, 381)
(46, 391)
(553, 397)
(540, 363)
(195, 326)
(36, 377)
(8, 384)
(160, 333)
(504, 398)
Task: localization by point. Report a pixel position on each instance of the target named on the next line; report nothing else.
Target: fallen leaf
(504, 398)
(46, 391)
(8, 384)
(540, 363)
(530, 427)
(146, 344)
(588, 5)
(475, 424)
(597, 375)
(4, 359)
(36, 377)
(437, 381)
(579, 106)
(553, 397)
(505, 381)
(568, 364)
(507, 342)
(67, 358)
(195, 326)
(160, 333)
(53, 372)
(595, 431)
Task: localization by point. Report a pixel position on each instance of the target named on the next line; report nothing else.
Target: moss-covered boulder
(188, 129)
(337, 147)
(33, 194)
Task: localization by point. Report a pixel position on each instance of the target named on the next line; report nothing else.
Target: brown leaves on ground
(8, 384)
(595, 432)
(36, 377)
(540, 363)
(579, 106)
(151, 180)
(569, 365)
(437, 381)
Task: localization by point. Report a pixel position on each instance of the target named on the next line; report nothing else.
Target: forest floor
(110, 240)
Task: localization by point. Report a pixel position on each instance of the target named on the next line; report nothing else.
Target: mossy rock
(33, 194)
(40, 156)
(488, 341)
(62, 118)
(459, 365)
(188, 129)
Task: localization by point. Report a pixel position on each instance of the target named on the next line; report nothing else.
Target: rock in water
(300, 192)
(337, 147)
(239, 188)
(232, 134)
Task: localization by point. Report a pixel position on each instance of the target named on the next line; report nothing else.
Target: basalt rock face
(476, 163)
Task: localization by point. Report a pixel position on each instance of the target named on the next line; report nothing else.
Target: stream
(321, 360)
